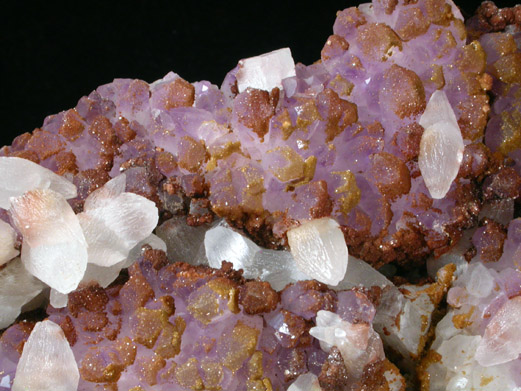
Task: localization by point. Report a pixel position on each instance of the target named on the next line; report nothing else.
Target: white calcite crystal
(19, 175)
(57, 299)
(501, 342)
(47, 362)
(319, 249)
(105, 275)
(54, 248)
(114, 222)
(358, 343)
(17, 288)
(7, 243)
(441, 145)
(266, 71)
(360, 273)
(276, 267)
(305, 382)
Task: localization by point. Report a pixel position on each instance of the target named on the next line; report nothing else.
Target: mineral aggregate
(340, 138)
(194, 327)
(383, 144)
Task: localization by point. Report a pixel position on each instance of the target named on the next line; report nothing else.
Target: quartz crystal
(47, 362)
(178, 326)
(305, 382)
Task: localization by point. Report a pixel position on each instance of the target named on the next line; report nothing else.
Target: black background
(52, 55)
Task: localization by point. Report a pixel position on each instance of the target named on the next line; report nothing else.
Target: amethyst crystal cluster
(195, 328)
(382, 146)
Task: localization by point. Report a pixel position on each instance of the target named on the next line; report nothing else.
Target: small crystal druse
(153, 221)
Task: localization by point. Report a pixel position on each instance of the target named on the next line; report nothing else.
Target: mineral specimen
(382, 146)
(200, 328)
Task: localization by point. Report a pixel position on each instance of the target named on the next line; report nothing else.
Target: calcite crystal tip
(250, 219)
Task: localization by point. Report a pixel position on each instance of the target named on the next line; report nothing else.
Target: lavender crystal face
(339, 138)
(188, 327)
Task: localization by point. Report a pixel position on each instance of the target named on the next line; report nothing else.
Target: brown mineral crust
(254, 110)
(334, 47)
(69, 330)
(101, 128)
(157, 258)
(390, 175)
(199, 212)
(298, 329)
(257, 297)
(411, 23)
(439, 12)
(45, 144)
(71, 127)
(13, 339)
(137, 291)
(315, 191)
(376, 39)
(407, 140)
(339, 112)
(334, 375)
(20, 142)
(476, 161)
(506, 183)
(123, 130)
(86, 182)
(403, 91)
(323, 297)
(179, 93)
(92, 321)
(26, 154)
(194, 185)
(372, 378)
(92, 298)
(491, 18)
(492, 240)
(66, 163)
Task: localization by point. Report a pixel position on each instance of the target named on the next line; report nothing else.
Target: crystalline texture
(19, 175)
(114, 222)
(319, 249)
(7, 243)
(266, 71)
(305, 382)
(47, 362)
(276, 267)
(501, 342)
(358, 343)
(441, 145)
(54, 248)
(17, 287)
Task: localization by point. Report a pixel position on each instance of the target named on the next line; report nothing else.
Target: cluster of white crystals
(358, 343)
(441, 145)
(266, 71)
(47, 362)
(59, 248)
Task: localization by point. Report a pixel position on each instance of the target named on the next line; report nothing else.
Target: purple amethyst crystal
(193, 327)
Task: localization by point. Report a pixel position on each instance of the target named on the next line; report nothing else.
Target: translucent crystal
(19, 175)
(441, 145)
(306, 382)
(57, 299)
(54, 248)
(184, 242)
(114, 222)
(47, 362)
(358, 343)
(7, 243)
(501, 342)
(276, 267)
(359, 273)
(17, 287)
(105, 275)
(266, 71)
(319, 249)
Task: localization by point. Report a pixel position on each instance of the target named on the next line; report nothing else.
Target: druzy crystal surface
(383, 154)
